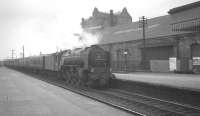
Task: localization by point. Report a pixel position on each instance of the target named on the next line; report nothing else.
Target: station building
(171, 42)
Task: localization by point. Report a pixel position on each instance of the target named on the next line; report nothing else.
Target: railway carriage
(83, 67)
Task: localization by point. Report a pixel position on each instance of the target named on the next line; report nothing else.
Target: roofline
(158, 37)
(184, 7)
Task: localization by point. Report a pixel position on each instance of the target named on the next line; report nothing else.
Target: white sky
(47, 25)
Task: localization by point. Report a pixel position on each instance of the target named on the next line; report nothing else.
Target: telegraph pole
(13, 53)
(23, 52)
(143, 25)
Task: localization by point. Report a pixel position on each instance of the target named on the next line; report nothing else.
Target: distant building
(100, 20)
(176, 36)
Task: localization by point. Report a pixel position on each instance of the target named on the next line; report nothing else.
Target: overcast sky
(47, 25)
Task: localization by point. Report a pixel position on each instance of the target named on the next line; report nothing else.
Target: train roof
(184, 7)
(156, 27)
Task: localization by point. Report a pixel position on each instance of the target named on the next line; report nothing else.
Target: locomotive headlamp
(125, 52)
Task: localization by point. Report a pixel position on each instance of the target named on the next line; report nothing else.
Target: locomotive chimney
(93, 45)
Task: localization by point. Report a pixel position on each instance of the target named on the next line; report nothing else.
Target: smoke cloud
(88, 39)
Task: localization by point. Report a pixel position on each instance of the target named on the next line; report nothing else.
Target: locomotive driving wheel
(76, 77)
(66, 76)
(83, 77)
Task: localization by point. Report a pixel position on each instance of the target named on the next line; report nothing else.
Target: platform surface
(183, 81)
(22, 95)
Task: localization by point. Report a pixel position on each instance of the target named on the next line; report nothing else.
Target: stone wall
(127, 56)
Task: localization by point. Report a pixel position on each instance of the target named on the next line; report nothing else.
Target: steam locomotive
(81, 67)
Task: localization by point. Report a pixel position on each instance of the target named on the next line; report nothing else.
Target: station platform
(181, 81)
(23, 95)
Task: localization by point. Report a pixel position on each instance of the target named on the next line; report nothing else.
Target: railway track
(95, 96)
(153, 106)
(136, 104)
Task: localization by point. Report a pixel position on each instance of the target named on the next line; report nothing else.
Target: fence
(126, 66)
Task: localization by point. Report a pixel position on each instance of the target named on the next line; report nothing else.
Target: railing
(126, 66)
(187, 25)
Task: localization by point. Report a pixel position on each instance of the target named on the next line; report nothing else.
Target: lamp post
(125, 54)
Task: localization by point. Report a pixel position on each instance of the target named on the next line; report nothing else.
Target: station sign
(196, 61)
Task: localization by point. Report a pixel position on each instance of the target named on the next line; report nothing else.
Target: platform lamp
(125, 52)
(143, 25)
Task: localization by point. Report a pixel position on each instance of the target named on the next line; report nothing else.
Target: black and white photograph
(99, 58)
